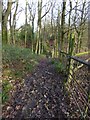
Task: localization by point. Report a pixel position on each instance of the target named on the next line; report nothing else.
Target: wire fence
(78, 85)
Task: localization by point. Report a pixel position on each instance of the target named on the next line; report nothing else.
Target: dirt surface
(41, 96)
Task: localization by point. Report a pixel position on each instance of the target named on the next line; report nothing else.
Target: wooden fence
(78, 82)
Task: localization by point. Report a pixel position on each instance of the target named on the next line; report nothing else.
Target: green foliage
(19, 60)
(28, 67)
(6, 87)
(60, 68)
(17, 64)
(53, 61)
(14, 53)
(21, 33)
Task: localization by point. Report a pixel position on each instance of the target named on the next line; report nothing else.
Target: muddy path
(41, 96)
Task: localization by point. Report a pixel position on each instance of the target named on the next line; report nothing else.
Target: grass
(18, 63)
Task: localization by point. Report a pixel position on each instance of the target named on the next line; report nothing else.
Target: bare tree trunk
(52, 19)
(69, 24)
(39, 39)
(80, 28)
(32, 35)
(62, 24)
(52, 30)
(10, 24)
(14, 23)
(36, 50)
(26, 24)
(81, 25)
(32, 18)
(62, 28)
(4, 22)
(39, 23)
(58, 30)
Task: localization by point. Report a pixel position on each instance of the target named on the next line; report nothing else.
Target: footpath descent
(41, 96)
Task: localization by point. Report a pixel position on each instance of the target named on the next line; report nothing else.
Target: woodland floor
(41, 96)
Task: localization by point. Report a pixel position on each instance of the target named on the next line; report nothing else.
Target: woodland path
(41, 96)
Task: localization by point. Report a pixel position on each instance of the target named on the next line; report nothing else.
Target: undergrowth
(59, 67)
(18, 63)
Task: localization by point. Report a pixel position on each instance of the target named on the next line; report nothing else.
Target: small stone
(9, 108)
(45, 96)
(33, 92)
(18, 107)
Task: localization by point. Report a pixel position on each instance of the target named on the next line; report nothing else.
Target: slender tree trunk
(52, 19)
(4, 23)
(69, 23)
(81, 26)
(79, 31)
(14, 23)
(58, 30)
(39, 41)
(26, 24)
(4, 32)
(39, 24)
(36, 51)
(32, 35)
(10, 24)
(75, 27)
(62, 29)
(62, 23)
(38, 44)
